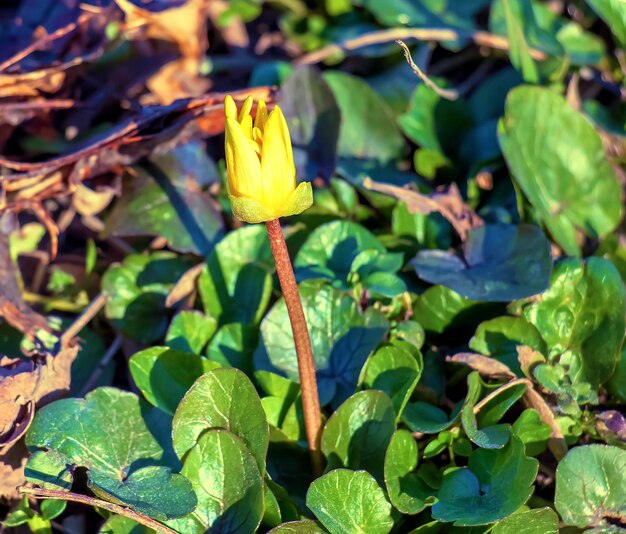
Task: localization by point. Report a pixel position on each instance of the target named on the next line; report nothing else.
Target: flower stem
(306, 365)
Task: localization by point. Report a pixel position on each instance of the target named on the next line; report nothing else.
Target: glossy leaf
(236, 286)
(134, 468)
(357, 435)
(407, 492)
(582, 317)
(226, 478)
(592, 496)
(346, 502)
(222, 399)
(569, 176)
(164, 375)
(190, 331)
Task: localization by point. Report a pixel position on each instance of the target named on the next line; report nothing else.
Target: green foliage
(590, 487)
(466, 347)
(350, 501)
(569, 176)
(133, 466)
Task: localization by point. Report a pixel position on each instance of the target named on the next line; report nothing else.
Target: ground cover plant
(460, 265)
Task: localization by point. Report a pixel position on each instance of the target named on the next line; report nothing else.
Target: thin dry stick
(420, 34)
(108, 356)
(41, 493)
(90, 312)
(448, 94)
(302, 341)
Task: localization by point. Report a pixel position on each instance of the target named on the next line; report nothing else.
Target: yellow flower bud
(259, 161)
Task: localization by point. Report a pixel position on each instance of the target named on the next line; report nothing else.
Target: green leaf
(226, 478)
(500, 337)
(164, 375)
(350, 502)
(613, 12)
(582, 317)
(538, 521)
(501, 263)
(493, 485)
(569, 176)
(166, 198)
(341, 337)
(190, 331)
(519, 53)
(305, 526)
(394, 371)
(331, 249)
(545, 30)
(434, 123)
(423, 417)
(236, 286)
(357, 435)
(368, 130)
(616, 386)
(136, 292)
(492, 436)
(439, 308)
(532, 431)
(425, 14)
(108, 434)
(407, 492)
(233, 346)
(314, 120)
(224, 399)
(590, 486)
(118, 524)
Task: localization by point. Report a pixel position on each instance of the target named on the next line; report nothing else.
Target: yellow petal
(245, 109)
(230, 108)
(242, 163)
(286, 136)
(246, 126)
(277, 170)
(261, 115)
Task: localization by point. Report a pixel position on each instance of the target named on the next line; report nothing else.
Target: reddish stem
(306, 364)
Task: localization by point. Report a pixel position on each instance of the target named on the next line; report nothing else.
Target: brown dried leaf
(24, 385)
(12, 471)
(12, 307)
(185, 285)
(483, 364)
(185, 26)
(528, 358)
(448, 202)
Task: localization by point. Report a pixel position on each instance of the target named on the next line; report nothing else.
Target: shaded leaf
(493, 485)
(341, 337)
(314, 121)
(501, 263)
